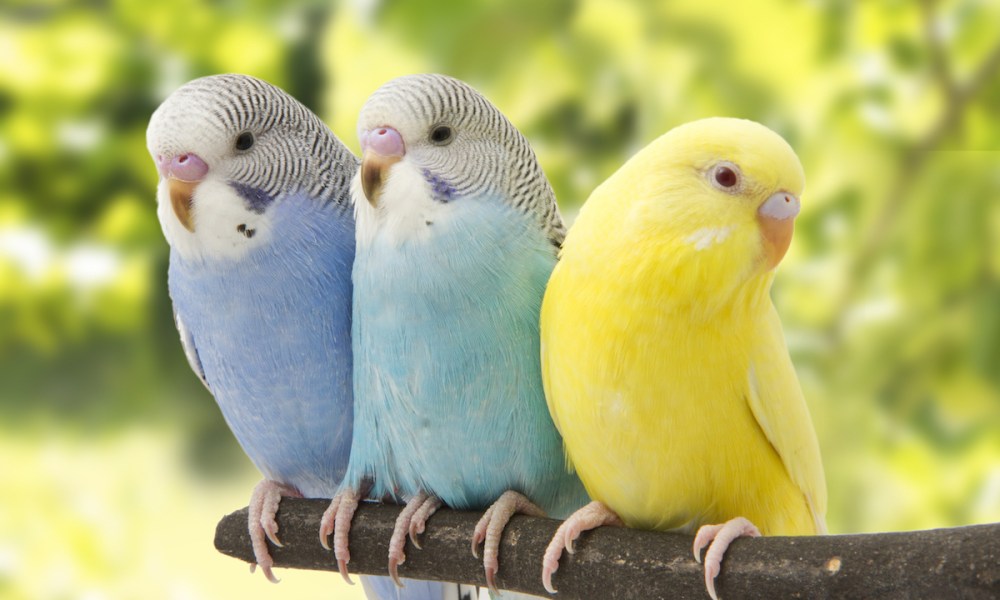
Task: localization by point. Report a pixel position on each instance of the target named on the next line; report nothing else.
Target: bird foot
(589, 517)
(490, 528)
(264, 501)
(337, 521)
(412, 521)
(719, 536)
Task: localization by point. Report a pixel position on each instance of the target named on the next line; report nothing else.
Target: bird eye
(726, 176)
(441, 135)
(244, 141)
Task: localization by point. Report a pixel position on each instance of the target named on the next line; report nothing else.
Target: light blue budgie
(457, 233)
(254, 201)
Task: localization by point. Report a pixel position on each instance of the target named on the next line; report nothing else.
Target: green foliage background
(115, 461)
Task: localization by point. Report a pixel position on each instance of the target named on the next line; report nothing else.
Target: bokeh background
(114, 462)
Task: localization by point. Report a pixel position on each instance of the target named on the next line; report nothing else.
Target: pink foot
(589, 517)
(337, 521)
(264, 501)
(412, 520)
(490, 528)
(418, 522)
(720, 536)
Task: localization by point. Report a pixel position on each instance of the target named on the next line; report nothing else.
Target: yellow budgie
(663, 358)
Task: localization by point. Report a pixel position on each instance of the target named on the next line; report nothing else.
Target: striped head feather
(230, 146)
(454, 144)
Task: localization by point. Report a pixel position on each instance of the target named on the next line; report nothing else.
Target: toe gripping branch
(612, 562)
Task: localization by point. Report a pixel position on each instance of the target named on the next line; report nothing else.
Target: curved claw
(262, 525)
(336, 520)
(563, 539)
(479, 535)
(589, 517)
(489, 529)
(342, 567)
(550, 564)
(720, 537)
(266, 570)
(418, 522)
(415, 530)
(491, 582)
(570, 536)
(342, 527)
(705, 535)
(409, 522)
(711, 572)
(271, 531)
(394, 570)
(327, 521)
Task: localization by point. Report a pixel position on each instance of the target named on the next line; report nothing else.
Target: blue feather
(271, 336)
(260, 277)
(271, 333)
(384, 588)
(448, 386)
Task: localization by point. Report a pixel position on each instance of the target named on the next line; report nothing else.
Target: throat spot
(441, 190)
(257, 200)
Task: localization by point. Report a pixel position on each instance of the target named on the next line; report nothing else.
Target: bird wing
(780, 409)
(190, 351)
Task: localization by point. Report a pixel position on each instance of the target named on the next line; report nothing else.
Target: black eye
(441, 135)
(726, 177)
(244, 141)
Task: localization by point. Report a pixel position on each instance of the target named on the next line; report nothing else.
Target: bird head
(428, 141)
(717, 196)
(227, 148)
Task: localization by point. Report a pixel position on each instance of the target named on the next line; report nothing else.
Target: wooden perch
(622, 563)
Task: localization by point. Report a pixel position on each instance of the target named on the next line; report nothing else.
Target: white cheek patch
(223, 226)
(709, 236)
(406, 210)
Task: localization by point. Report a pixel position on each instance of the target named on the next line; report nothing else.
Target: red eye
(726, 177)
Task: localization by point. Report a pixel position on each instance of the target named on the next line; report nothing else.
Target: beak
(181, 198)
(183, 173)
(381, 148)
(374, 168)
(777, 218)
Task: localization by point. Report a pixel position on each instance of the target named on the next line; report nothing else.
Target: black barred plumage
(295, 151)
(488, 155)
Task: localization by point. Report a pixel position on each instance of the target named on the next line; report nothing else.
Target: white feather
(708, 236)
(406, 208)
(217, 212)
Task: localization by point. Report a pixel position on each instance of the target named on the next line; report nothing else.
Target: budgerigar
(457, 234)
(664, 361)
(254, 201)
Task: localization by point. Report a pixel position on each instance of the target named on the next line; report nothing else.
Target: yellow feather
(663, 359)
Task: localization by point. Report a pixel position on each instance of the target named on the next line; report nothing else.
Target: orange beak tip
(182, 200)
(374, 169)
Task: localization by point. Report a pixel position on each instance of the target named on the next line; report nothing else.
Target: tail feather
(383, 588)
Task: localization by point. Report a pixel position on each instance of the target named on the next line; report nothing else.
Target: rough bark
(612, 563)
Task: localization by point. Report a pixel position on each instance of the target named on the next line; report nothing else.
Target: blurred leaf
(890, 294)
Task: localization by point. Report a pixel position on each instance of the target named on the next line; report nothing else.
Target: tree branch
(623, 563)
(958, 96)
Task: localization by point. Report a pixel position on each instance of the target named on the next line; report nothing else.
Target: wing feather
(779, 406)
(190, 350)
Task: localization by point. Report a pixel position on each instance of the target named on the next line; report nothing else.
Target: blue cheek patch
(257, 200)
(442, 190)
